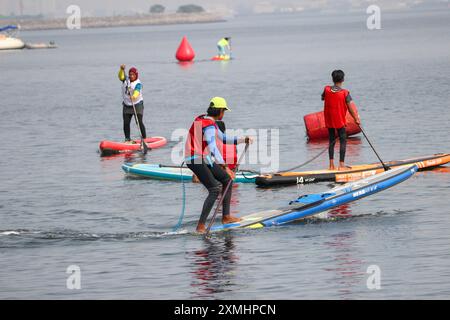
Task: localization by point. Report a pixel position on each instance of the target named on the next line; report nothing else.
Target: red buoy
(185, 51)
(316, 129)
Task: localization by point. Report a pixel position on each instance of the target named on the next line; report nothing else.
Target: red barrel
(316, 129)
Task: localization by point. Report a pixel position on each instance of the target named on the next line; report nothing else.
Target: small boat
(7, 41)
(50, 45)
(174, 173)
(352, 174)
(309, 205)
(111, 147)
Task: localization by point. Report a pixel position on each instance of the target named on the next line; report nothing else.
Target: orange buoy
(185, 51)
(316, 129)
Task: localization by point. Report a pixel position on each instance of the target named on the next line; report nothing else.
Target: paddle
(386, 168)
(226, 190)
(144, 146)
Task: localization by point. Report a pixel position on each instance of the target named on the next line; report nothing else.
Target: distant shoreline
(117, 21)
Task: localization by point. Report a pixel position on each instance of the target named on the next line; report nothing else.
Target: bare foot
(201, 228)
(230, 219)
(331, 166)
(344, 168)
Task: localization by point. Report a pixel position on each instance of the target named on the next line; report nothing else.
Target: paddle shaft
(225, 191)
(183, 209)
(386, 168)
(143, 144)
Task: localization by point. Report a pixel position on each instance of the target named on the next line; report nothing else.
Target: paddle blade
(144, 146)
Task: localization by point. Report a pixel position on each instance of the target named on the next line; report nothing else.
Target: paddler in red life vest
(336, 103)
(204, 158)
(131, 86)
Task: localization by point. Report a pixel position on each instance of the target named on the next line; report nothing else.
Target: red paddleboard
(219, 58)
(111, 147)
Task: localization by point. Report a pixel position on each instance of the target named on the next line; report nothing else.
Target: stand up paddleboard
(174, 173)
(312, 204)
(353, 174)
(111, 147)
(221, 58)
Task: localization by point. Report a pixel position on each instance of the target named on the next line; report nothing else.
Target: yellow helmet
(219, 103)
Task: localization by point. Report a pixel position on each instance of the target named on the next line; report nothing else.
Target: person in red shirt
(337, 102)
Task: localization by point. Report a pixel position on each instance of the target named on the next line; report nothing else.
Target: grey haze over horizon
(57, 8)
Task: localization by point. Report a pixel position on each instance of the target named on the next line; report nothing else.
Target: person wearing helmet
(131, 93)
(205, 160)
(222, 44)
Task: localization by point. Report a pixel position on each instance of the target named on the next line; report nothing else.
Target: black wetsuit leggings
(342, 141)
(126, 125)
(212, 178)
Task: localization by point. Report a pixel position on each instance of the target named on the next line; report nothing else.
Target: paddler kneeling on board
(336, 103)
(131, 94)
(203, 157)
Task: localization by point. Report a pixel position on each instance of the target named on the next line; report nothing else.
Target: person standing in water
(131, 94)
(203, 157)
(336, 103)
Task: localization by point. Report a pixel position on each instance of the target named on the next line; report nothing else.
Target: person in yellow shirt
(222, 45)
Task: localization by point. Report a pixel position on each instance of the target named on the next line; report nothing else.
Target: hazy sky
(109, 7)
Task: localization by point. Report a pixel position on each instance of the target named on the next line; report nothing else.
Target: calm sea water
(61, 204)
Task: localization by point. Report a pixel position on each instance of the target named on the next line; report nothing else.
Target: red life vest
(335, 107)
(196, 144)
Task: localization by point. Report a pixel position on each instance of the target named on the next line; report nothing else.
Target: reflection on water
(343, 211)
(224, 65)
(113, 163)
(441, 170)
(347, 270)
(440, 173)
(186, 64)
(128, 156)
(213, 267)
